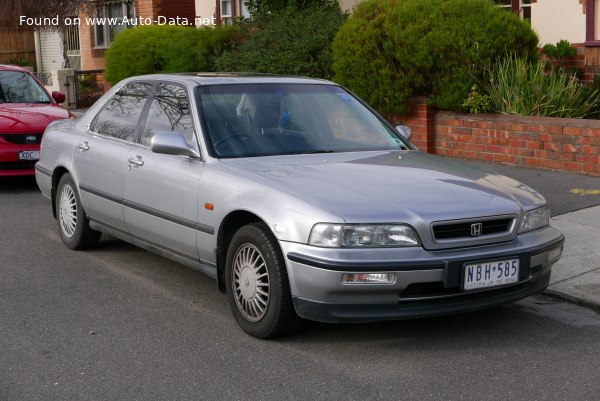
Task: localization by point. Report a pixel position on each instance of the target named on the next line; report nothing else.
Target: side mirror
(405, 131)
(172, 143)
(58, 97)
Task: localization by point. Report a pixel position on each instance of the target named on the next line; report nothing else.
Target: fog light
(554, 254)
(368, 278)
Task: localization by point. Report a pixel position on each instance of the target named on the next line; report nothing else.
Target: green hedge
(391, 49)
(163, 48)
(296, 43)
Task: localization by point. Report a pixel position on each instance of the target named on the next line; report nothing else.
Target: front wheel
(257, 284)
(73, 224)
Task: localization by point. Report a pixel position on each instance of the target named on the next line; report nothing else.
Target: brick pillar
(420, 119)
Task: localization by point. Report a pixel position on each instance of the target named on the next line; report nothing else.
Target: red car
(26, 109)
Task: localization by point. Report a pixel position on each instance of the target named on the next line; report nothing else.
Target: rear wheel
(73, 225)
(257, 284)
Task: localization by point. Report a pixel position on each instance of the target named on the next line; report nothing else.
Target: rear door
(100, 156)
(161, 191)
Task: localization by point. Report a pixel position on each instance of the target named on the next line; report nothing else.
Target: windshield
(20, 87)
(246, 120)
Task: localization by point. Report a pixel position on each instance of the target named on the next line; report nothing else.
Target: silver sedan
(297, 198)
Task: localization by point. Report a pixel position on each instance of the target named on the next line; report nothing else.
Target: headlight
(534, 219)
(363, 235)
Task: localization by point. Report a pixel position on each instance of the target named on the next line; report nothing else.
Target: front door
(161, 191)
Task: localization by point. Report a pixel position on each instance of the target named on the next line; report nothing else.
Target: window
(109, 20)
(247, 120)
(20, 87)
(169, 112)
(120, 115)
(232, 9)
(522, 7)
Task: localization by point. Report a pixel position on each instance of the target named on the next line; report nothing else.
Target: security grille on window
(109, 20)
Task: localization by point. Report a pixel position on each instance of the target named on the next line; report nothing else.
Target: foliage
(389, 50)
(560, 50)
(516, 86)
(20, 61)
(558, 54)
(163, 48)
(13, 10)
(195, 49)
(286, 43)
(477, 102)
(590, 92)
(256, 7)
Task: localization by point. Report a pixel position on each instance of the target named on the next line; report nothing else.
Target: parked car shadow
(15, 185)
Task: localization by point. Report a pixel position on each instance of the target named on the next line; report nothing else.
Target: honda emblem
(476, 229)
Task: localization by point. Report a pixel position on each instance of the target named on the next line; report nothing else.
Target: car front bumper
(428, 283)
(10, 165)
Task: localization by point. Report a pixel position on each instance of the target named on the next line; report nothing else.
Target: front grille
(20, 165)
(463, 230)
(22, 139)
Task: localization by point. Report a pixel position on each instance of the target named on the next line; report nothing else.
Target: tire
(257, 284)
(73, 224)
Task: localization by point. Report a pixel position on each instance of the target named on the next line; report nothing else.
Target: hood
(29, 118)
(391, 186)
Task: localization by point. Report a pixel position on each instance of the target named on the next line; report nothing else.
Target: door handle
(137, 161)
(84, 146)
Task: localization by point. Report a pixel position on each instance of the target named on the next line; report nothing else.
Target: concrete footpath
(576, 276)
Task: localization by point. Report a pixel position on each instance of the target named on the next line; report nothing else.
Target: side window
(169, 112)
(120, 115)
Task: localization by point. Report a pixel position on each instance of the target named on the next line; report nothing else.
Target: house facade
(96, 38)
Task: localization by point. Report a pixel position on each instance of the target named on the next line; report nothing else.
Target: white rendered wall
(554, 20)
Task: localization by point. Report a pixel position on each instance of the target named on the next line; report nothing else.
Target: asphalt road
(565, 192)
(119, 323)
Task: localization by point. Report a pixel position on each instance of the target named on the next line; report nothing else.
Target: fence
(17, 46)
(89, 87)
(543, 142)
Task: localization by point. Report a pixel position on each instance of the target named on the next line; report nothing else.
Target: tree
(256, 7)
(13, 10)
(392, 49)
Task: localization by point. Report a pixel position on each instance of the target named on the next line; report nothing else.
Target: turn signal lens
(369, 278)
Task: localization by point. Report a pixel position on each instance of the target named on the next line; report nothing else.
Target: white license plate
(491, 274)
(29, 155)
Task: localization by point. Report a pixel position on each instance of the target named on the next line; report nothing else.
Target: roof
(211, 78)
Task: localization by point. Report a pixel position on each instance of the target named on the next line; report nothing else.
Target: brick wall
(542, 142)
(165, 8)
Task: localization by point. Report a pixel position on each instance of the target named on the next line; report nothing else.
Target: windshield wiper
(314, 152)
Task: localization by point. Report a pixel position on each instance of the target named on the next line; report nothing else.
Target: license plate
(491, 274)
(29, 155)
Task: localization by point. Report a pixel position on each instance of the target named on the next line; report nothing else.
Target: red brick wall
(165, 8)
(551, 143)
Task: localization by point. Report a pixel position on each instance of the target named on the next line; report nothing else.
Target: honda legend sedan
(297, 198)
(26, 109)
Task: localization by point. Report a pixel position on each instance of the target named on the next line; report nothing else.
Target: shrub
(516, 86)
(477, 102)
(296, 43)
(256, 7)
(389, 50)
(163, 48)
(559, 55)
